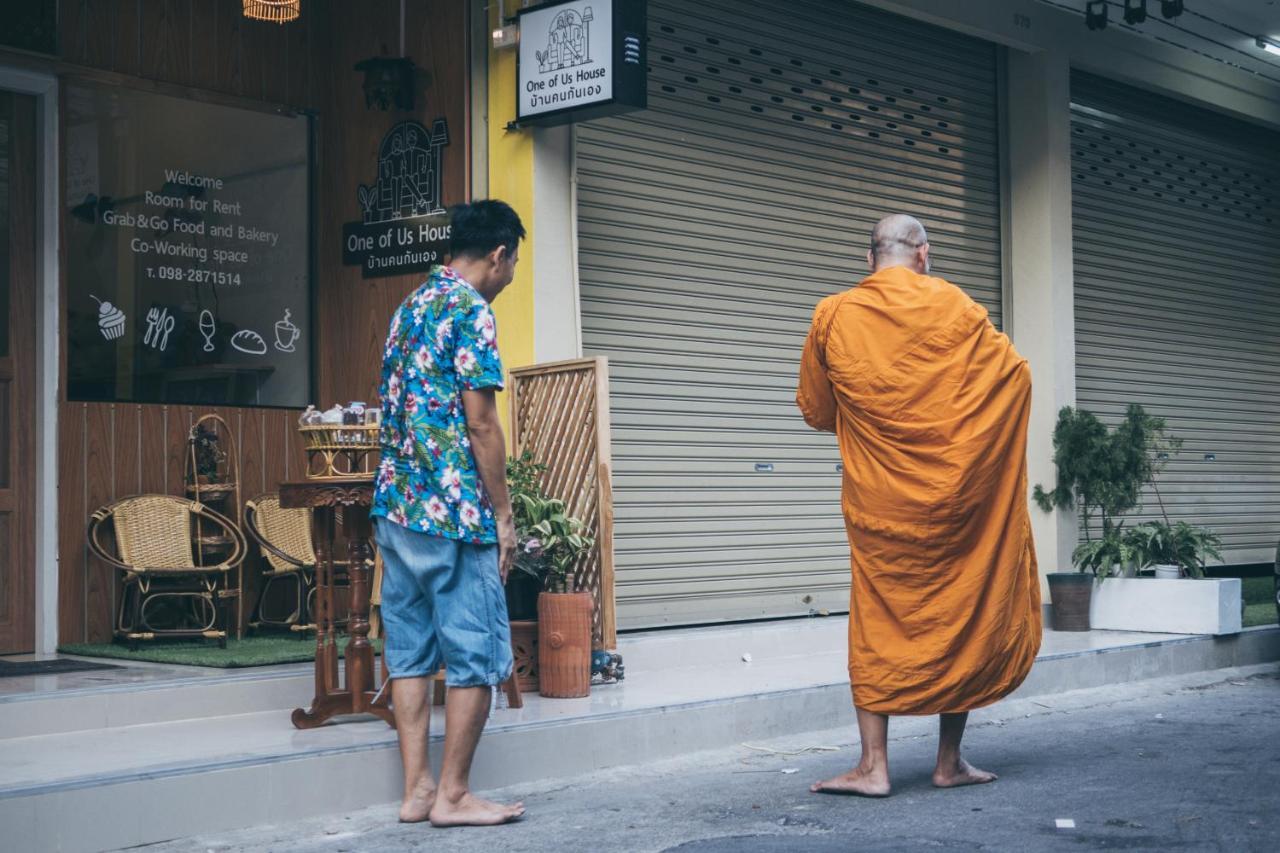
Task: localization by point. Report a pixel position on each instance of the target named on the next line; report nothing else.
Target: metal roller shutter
(1177, 245)
(710, 225)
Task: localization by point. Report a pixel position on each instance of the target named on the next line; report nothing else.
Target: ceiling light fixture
(275, 11)
(1268, 45)
(1096, 14)
(1135, 11)
(1171, 8)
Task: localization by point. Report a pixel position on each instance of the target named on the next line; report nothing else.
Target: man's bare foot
(963, 773)
(469, 810)
(857, 783)
(416, 806)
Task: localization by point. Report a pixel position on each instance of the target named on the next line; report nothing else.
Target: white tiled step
(209, 694)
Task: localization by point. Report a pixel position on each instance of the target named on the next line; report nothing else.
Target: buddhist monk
(930, 405)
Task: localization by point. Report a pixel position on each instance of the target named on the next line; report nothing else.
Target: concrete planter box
(1182, 606)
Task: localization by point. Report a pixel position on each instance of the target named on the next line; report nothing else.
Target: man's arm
(489, 447)
(815, 397)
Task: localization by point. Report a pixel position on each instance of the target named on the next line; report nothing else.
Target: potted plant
(1179, 599)
(551, 547)
(1173, 550)
(1101, 473)
(524, 479)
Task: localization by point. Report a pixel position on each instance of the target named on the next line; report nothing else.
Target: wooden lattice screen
(560, 412)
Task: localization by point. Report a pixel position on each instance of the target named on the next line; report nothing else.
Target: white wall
(1041, 316)
(557, 331)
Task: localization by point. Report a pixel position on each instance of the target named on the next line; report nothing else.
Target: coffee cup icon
(287, 333)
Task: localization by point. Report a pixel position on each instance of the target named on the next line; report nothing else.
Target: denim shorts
(443, 602)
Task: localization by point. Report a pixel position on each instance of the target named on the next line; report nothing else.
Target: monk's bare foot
(960, 774)
(856, 783)
(417, 804)
(470, 810)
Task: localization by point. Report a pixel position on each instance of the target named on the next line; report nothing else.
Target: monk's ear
(922, 258)
(871, 260)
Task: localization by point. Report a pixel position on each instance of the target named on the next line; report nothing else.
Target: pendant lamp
(275, 11)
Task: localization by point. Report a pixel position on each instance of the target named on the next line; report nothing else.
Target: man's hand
(506, 546)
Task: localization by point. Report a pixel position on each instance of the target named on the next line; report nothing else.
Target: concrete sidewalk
(1181, 763)
(147, 756)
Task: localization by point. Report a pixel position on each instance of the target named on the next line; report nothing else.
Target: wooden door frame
(44, 88)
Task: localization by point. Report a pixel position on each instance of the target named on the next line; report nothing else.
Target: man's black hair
(482, 226)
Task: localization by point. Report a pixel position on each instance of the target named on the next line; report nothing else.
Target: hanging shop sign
(405, 227)
(581, 59)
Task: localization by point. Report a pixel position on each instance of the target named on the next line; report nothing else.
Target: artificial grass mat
(265, 650)
(1259, 603)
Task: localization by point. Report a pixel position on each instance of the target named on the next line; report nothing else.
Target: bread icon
(249, 342)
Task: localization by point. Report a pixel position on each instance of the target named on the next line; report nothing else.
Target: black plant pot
(1071, 593)
(522, 595)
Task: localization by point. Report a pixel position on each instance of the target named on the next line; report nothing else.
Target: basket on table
(337, 451)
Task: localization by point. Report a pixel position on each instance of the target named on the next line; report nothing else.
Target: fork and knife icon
(159, 324)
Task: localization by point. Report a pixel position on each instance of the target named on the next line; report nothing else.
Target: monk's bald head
(899, 240)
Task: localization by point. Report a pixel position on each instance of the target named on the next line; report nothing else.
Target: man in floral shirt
(443, 513)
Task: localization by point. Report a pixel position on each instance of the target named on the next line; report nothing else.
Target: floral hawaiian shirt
(443, 341)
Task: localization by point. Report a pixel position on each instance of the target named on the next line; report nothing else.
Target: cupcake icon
(111, 319)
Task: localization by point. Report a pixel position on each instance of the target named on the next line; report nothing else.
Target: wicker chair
(284, 535)
(154, 546)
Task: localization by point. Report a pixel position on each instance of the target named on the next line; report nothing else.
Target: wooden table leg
(353, 499)
(326, 664)
(359, 661)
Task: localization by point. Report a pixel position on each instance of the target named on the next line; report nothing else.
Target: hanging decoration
(275, 11)
(389, 82)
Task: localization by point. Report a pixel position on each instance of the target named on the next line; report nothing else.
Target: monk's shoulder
(829, 306)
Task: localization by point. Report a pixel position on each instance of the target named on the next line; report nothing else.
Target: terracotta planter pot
(564, 645)
(1071, 594)
(524, 646)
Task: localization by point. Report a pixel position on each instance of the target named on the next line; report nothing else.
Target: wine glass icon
(207, 328)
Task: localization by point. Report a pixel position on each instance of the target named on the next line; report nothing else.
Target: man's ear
(871, 260)
(922, 256)
(498, 256)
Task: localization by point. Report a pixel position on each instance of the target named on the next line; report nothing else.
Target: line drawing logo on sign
(409, 175)
(568, 42)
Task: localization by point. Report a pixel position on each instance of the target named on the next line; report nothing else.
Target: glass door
(17, 371)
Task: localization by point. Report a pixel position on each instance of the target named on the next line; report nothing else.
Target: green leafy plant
(1179, 544)
(549, 542)
(1102, 472)
(552, 544)
(1101, 556)
(524, 477)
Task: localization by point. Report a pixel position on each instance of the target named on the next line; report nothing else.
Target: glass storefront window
(188, 250)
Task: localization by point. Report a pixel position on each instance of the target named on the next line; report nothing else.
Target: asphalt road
(1184, 764)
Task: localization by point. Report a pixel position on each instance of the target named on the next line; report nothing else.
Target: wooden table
(353, 496)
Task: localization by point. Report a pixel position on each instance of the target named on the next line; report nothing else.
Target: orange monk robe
(930, 404)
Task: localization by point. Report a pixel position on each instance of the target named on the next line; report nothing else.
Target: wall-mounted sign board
(581, 59)
(188, 239)
(404, 226)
